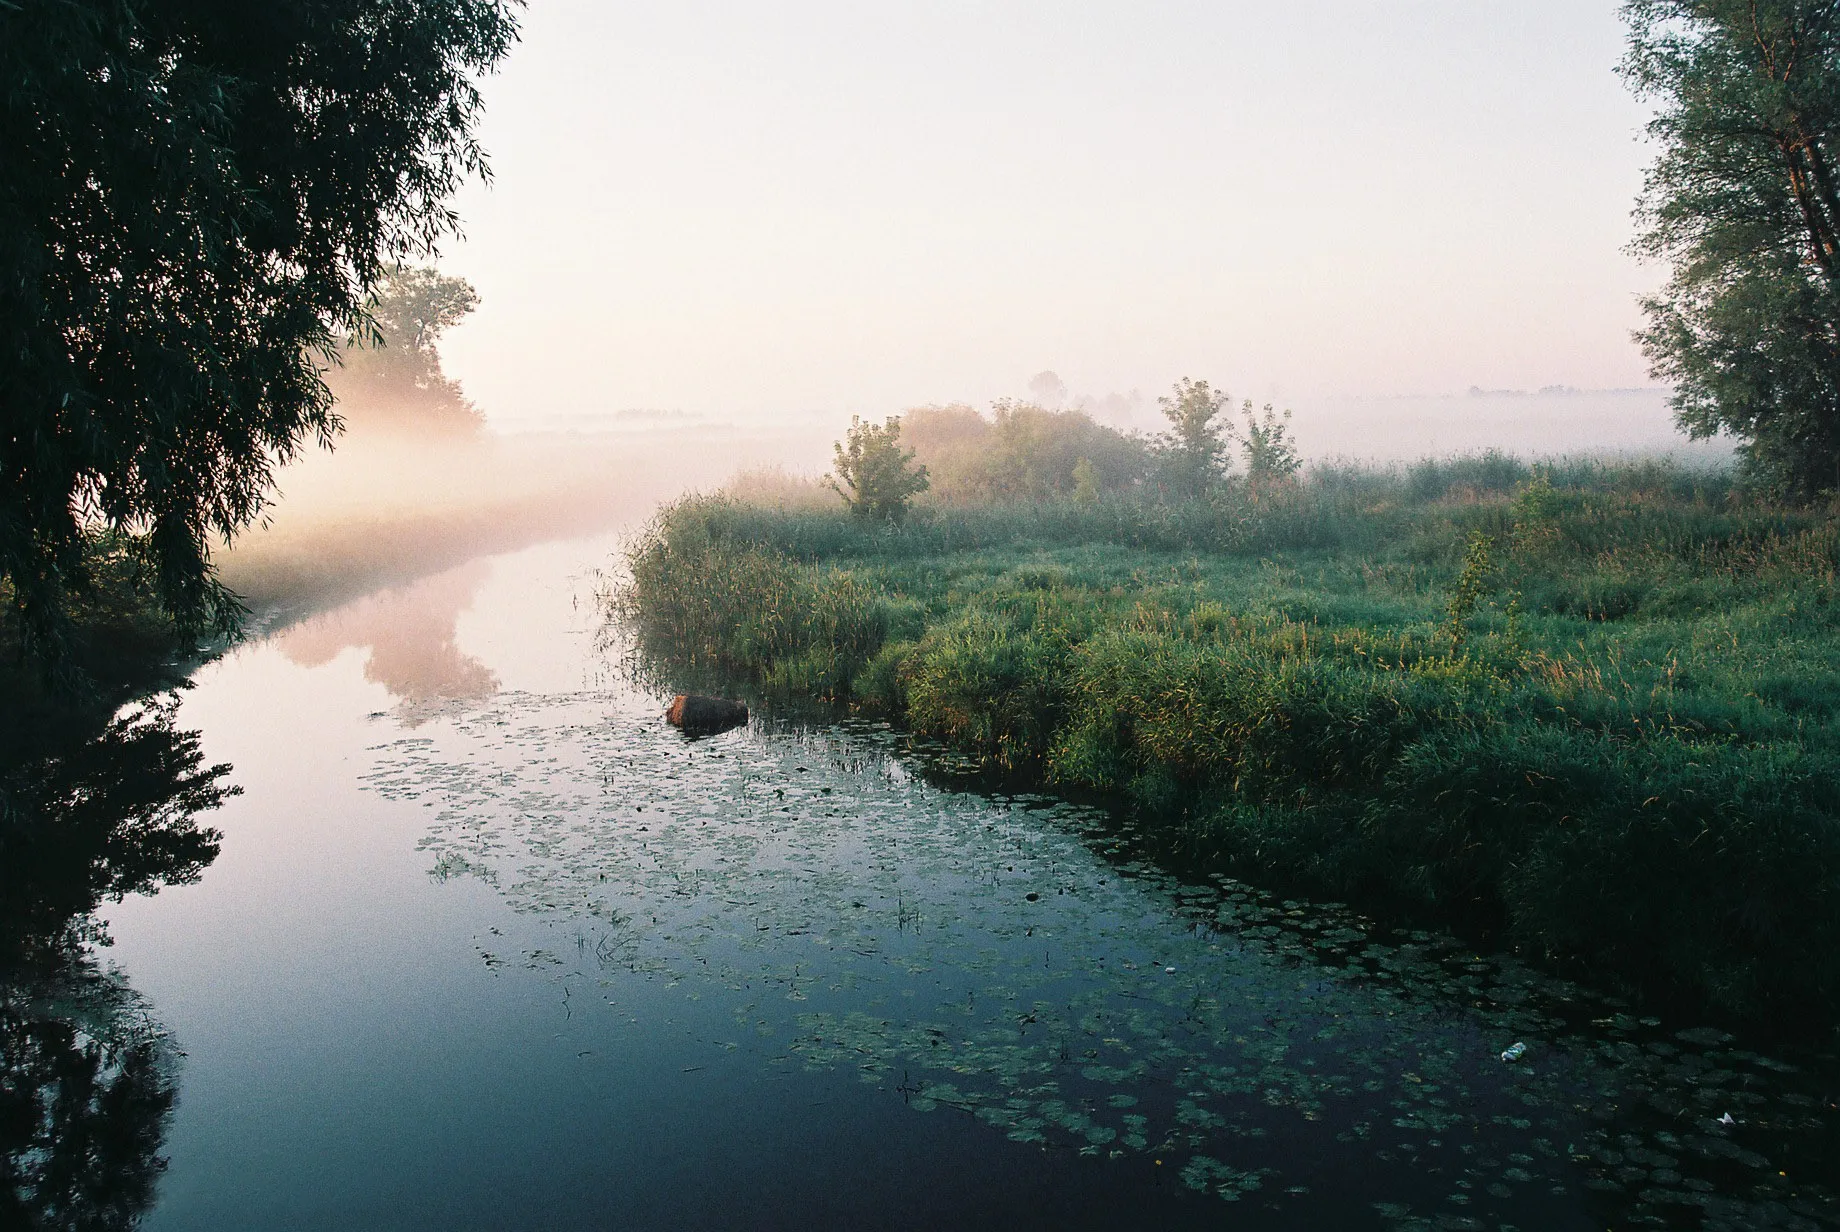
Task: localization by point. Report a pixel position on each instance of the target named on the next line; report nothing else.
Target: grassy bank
(1585, 710)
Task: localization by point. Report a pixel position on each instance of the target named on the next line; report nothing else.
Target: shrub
(1022, 453)
(708, 599)
(1271, 458)
(873, 474)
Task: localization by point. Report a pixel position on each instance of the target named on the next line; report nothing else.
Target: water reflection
(86, 1074)
(1018, 961)
(86, 1089)
(114, 816)
(410, 634)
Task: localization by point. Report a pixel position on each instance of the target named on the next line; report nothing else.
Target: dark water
(489, 946)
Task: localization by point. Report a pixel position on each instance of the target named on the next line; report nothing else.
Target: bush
(711, 600)
(1022, 453)
(873, 474)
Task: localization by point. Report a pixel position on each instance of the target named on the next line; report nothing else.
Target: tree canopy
(1743, 200)
(873, 474)
(1194, 449)
(1019, 452)
(196, 199)
(392, 377)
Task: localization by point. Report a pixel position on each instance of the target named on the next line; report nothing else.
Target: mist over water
(383, 510)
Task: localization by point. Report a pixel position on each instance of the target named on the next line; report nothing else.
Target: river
(488, 945)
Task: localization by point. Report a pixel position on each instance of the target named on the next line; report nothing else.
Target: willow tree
(196, 199)
(1743, 200)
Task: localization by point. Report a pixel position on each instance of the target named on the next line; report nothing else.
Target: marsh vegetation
(1583, 708)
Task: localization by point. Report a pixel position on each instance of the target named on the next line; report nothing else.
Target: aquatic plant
(840, 898)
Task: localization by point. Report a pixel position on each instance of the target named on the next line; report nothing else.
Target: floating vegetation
(1016, 960)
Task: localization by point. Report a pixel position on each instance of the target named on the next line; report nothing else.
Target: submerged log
(704, 716)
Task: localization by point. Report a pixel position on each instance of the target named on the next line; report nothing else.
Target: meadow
(1582, 710)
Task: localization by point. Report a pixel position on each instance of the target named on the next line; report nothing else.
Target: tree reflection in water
(86, 1075)
(411, 637)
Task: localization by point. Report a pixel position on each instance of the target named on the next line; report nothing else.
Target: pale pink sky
(758, 210)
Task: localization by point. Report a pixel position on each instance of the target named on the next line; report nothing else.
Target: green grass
(1585, 710)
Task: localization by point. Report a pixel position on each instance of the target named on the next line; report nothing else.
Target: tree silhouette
(197, 202)
(393, 379)
(86, 1076)
(115, 816)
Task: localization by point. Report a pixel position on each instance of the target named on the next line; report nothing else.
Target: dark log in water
(704, 716)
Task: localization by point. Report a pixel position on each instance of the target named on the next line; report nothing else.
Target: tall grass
(1585, 708)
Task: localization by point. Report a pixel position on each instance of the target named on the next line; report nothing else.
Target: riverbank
(381, 512)
(1584, 713)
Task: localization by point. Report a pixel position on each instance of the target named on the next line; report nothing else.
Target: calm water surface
(490, 946)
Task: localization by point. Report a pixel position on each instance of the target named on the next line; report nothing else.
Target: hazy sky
(751, 209)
